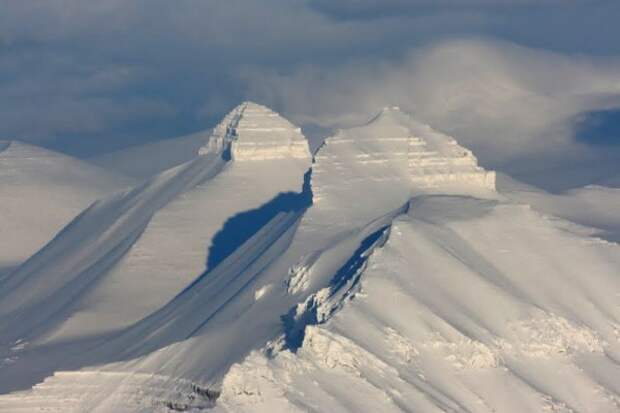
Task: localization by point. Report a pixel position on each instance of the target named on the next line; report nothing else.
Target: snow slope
(408, 284)
(465, 308)
(129, 254)
(144, 161)
(40, 192)
(592, 206)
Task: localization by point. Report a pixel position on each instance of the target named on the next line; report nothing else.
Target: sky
(529, 85)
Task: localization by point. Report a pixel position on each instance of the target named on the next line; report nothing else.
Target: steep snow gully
(387, 274)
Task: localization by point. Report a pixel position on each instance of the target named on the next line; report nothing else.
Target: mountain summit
(396, 156)
(255, 133)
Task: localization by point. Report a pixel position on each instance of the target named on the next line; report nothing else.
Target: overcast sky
(525, 83)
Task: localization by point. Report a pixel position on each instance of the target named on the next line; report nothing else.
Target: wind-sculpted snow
(147, 160)
(65, 269)
(68, 392)
(459, 311)
(593, 206)
(40, 192)
(390, 277)
(220, 317)
(128, 255)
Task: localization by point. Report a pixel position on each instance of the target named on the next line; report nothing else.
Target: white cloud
(505, 101)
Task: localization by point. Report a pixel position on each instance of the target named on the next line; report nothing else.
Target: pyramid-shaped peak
(255, 132)
(395, 147)
(255, 107)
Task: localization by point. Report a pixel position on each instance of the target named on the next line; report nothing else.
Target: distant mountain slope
(40, 192)
(144, 161)
(593, 206)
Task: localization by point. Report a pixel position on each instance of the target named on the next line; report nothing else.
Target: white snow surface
(593, 206)
(409, 284)
(144, 161)
(396, 156)
(40, 192)
(257, 133)
(459, 311)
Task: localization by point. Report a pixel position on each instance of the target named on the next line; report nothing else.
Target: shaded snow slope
(40, 192)
(452, 307)
(471, 305)
(216, 321)
(144, 161)
(60, 273)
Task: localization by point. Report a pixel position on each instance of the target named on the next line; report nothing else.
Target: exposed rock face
(257, 133)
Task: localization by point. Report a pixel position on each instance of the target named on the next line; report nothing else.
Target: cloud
(102, 75)
(515, 106)
(372, 9)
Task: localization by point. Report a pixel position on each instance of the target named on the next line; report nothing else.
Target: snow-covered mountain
(40, 192)
(144, 161)
(386, 274)
(464, 304)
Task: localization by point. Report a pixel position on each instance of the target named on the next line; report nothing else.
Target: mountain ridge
(388, 274)
(41, 191)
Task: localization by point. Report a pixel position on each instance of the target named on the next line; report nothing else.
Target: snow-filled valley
(386, 272)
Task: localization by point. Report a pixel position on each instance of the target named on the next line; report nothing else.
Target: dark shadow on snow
(295, 322)
(244, 225)
(112, 346)
(158, 329)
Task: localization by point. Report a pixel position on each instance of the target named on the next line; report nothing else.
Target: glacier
(388, 271)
